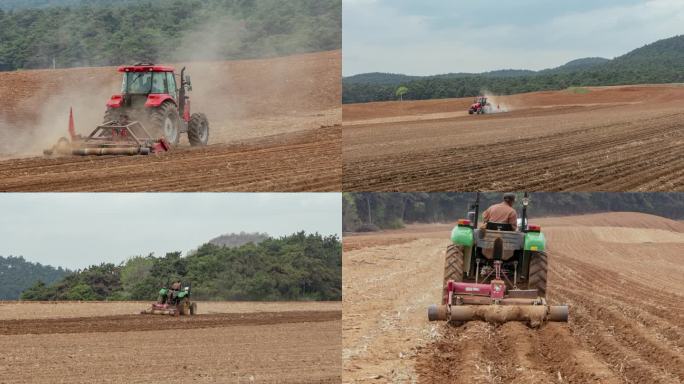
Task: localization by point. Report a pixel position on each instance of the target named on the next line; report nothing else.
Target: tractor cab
(481, 100)
(146, 85)
(148, 79)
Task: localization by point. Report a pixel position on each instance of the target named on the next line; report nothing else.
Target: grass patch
(578, 90)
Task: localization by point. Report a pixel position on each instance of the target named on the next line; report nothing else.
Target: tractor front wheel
(198, 129)
(165, 121)
(193, 309)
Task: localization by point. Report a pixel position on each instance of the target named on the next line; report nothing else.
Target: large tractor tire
(453, 267)
(111, 114)
(537, 277)
(198, 130)
(165, 122)
(193, 309)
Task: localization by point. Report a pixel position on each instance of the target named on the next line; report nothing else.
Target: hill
(103, 33)
(380, 78)
(659, 62)
(577, 65)
(232, 240)
(392, 210)
(296, 267)
(17, 274)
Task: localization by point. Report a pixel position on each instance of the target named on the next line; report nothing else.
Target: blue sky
(80, 229)
(432, 37)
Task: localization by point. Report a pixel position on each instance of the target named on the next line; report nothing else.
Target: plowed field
(292, 344)
(620, 273)
(274, 126)
(597, 139)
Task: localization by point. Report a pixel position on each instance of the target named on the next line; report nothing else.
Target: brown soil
(274, 126)
(619, 272)
(600, 140)
(288, 346)
(304, 161)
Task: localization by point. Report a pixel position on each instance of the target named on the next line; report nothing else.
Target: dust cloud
(40, 128)
(242, 99)
(497, 102)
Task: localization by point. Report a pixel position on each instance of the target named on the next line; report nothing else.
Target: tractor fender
(154, 100)
(115, 101)
(462, 235)
(535, 241)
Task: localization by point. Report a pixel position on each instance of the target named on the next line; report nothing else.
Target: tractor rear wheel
(198, 129)
(165, 121)
(537, 277)
(453, 267)
(193, 309)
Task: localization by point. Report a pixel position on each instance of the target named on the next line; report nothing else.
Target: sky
(444, 36)
(81, 229)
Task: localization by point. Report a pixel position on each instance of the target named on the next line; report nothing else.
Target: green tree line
(367, 211)
(101, 33)
(17, 274)
(296, 267)
(660, 62)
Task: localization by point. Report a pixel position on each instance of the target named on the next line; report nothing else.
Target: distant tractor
(173, 302)
(480, 106)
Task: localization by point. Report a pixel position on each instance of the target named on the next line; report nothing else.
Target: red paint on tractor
(115, 101)
(186, 112)
(156, 99)
(145, 68)
(72, 128)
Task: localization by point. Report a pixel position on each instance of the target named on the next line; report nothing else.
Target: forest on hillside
(100, 33)
(365, 211)
(660, 62)
(296, 267)
(17, 274)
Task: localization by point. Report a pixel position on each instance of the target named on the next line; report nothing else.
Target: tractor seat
(499, 226)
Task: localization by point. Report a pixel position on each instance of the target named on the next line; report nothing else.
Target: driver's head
(509, 198)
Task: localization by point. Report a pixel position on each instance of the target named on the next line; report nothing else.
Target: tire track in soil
(136, 323)
(459, 356)
(604, 157)
(509, 353)
(290, 162)
(622, 328)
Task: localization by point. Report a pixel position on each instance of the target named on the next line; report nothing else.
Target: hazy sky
(441, 36)
(77, 230)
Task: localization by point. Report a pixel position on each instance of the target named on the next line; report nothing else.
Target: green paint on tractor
(462, 235)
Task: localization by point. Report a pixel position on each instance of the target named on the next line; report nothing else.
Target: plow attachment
(110, 138)
(534, 315)
(182, 308)
(161, 309)
(493, 302)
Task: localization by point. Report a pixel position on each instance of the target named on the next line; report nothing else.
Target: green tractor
(174, 303)
(496, 273)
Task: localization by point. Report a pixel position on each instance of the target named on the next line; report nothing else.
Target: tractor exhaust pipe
(535, 315)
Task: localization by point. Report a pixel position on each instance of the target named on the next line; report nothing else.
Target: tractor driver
(173, 291)
(501, 216)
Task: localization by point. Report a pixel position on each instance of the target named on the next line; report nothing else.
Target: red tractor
(147, 117)
(155, 96)
(480, 106)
